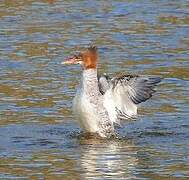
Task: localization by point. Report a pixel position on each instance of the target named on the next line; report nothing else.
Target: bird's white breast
(85, 112)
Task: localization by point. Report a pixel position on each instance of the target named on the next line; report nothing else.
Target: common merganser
(101, 101)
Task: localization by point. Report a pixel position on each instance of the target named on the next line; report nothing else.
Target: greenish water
(40, 138)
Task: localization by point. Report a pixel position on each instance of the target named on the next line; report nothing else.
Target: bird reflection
(116, 158)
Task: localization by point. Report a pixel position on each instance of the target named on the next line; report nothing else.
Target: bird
(102, 102)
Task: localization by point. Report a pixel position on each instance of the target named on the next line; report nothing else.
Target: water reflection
(110, 159)
(48, 152)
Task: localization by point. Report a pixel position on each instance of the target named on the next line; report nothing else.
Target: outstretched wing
(123, 93)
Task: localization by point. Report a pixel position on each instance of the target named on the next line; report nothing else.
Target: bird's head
(87, 58)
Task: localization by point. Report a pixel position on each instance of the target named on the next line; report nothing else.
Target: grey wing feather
(123, 93)
(140, 88)
(103, 83)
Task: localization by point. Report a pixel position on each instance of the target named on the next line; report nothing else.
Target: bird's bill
(72, 60)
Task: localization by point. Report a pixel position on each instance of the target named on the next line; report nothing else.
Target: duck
(102, 102)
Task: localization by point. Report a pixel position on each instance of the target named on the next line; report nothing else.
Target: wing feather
(124, 93)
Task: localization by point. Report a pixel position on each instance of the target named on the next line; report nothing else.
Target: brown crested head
(88, 58)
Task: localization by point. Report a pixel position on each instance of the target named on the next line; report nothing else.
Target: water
(40, 138)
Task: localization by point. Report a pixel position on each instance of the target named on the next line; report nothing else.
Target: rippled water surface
(39, 136)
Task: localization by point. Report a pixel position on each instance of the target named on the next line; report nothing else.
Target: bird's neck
(90, 81)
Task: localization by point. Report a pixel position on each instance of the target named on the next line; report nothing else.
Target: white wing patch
(124, 93)
(118, 104)
(109, 104)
